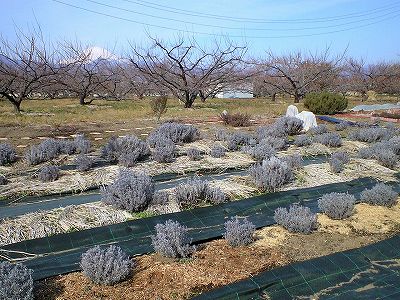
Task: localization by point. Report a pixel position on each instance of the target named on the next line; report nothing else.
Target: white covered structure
(308, 118)
(292, 111)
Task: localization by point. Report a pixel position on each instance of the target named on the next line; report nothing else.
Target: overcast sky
(369, 28)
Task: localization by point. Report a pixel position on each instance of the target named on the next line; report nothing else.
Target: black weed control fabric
(371, 272)
(307, 160)
(61, 253)
(35, 203)
(48, 202)
(157, 178)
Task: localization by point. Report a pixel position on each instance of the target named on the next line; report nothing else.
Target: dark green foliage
(7, 154)
(16, 282)
(49, 173)
(239, 232)
(380, 194)
(325, 103)
(337, 205)
(132, 191)
(297, 219)
(106, 266)
(171, 240)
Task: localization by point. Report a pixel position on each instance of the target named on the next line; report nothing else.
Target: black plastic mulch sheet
(371, 272)
(53, 202)
(35, 203)
(61, 253)
(160, 178)
(32, 199)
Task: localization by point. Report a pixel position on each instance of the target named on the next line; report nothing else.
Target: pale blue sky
(320, 19)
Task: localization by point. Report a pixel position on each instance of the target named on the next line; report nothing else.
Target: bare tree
(266, 86)
(297, 73)
(133, 81)
(186, 69)
(27, 66)
(392, 82)
(380, 77)
(85, 75)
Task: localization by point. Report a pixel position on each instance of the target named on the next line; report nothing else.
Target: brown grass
(64, 111)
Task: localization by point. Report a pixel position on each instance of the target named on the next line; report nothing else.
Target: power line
(240, 28)
(254, 20)
(220, 34)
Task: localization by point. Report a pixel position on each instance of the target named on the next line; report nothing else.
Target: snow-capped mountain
(95, 53)
(92, 54)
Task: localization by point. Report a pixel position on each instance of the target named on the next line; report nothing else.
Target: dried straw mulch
(157, 278)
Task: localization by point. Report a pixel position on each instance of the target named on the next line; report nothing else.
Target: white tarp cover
(308, 118)
(291, 111)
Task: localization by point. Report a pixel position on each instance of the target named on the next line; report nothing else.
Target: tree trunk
(202, 96)
(364, 96)
(273, 97)
(297, 97)
(17, 106)
(15, 102)
(82, 100)
(189, 99)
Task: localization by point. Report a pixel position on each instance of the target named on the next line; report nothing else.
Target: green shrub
(325, 103)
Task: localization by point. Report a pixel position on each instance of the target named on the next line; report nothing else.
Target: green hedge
(325, 103)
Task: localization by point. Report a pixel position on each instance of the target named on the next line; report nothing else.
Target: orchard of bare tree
(31, 68)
